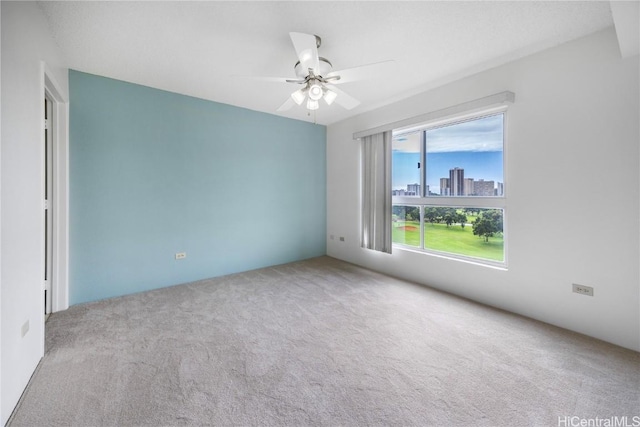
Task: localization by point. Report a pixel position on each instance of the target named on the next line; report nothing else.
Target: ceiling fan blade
(298, 81)
(345, 100)
(360, 72)
(306, 49)
(286, 105)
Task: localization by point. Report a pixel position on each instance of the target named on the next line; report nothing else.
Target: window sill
(452, 257)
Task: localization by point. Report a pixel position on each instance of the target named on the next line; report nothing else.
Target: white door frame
(60, 108)
(49, 201)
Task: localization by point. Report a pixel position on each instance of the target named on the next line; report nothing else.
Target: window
(448, 188)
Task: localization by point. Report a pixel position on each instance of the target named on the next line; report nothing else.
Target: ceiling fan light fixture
(314, 73)
(312, 104)
(329, 96)
(315, 91)
(298, 96)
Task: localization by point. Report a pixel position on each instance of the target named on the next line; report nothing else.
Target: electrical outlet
(25, 328)
(582, 289)
(181, 255)
(341, 239)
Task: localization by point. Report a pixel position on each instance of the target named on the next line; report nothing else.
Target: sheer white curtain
(376, 192)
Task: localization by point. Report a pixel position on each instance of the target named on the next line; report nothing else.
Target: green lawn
(406, 233)
(454, 239)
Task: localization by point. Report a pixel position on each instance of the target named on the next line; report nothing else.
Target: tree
(472, 211)
(461, 218)
(406, 213)
(448, 217)
(412, 213)
(488, 224)
(431, 215)
(441, 214)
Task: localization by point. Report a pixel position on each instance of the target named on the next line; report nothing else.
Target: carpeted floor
(319, 342)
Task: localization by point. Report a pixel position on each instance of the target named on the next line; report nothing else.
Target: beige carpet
(319, 342)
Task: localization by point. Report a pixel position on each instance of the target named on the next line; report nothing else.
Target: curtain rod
(487, 101)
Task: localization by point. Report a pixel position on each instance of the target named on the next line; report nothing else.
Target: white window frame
(487, 202)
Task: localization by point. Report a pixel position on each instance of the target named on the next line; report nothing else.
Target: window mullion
(423, 165)
(465, 202)
(422, 227)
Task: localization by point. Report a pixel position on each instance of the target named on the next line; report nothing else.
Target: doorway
(55, 195)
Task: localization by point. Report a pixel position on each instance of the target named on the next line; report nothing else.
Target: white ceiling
(201, 48)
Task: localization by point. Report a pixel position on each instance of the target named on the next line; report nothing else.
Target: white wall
(573, 190)
(26, 42)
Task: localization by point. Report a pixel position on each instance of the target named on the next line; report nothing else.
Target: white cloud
(483, 134)
(407, 143)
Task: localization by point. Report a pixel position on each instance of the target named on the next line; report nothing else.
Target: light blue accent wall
(153, 173)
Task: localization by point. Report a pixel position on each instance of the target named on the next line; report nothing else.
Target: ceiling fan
(314, 73)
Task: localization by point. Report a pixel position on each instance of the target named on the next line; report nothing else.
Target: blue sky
(475, 146)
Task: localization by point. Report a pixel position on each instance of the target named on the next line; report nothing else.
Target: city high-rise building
(444, 186)
(413, 189)
(456, 182)
(484, 188)
(468, 187)
(458, 185)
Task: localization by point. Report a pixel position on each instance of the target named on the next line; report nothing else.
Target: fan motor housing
(324, 68)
